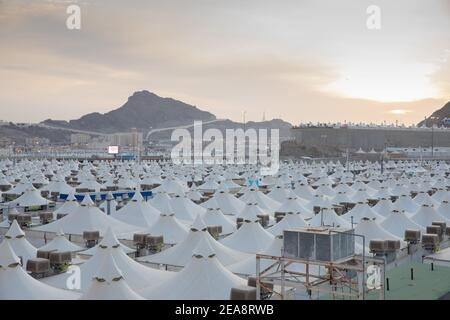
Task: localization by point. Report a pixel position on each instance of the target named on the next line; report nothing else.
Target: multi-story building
(79, 138)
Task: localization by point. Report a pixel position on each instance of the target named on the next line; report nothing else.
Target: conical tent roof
(426, 215)
(109, 284)
(88, 218)
(30, 198)
(184, 209)
(180, 254)
(362, 210)
(328, 217)
(161, 202)
(261, 199)
(383, 207)
(250, 238)
(248, 266)
(215, 217)
(19, 244)
(137, 212)
(61, 243)
(203, 278)
(170, 228)
(444, 209)
(137, 275)
(373, 231)
(68, 207)
(228, 203)
(293, 204)
(16, 284)
(424, 198)
(397, 222)
(109, 240)
(405, 203)
(290, 220)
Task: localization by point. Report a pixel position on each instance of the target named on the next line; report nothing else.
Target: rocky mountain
(143, 110)
(438, 117)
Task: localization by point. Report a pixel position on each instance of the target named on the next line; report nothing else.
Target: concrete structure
(80, 138)
(368, 137)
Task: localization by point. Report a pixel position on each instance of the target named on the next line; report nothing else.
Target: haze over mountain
(438, 116)
(145, 111)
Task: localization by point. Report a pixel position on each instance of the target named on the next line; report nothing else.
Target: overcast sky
(301, 60)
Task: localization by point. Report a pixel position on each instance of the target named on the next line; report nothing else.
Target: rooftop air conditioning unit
(430, 241)
(139, 240)
(243, 294)
(154, 243)
(435, 230)
(43, 254)
(91, 238)
(392, 245)
(12, 217)
(24, 219)
(412, 236)
(441, 224)
(60, 261)
(320, 244)
(38, 266)
(378, 246)
(45, 217)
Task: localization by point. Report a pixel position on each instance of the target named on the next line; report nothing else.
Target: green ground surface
(427, 284)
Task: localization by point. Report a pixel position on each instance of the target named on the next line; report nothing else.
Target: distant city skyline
(301, 61)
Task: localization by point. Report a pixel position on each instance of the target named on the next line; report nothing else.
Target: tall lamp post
(432, 135)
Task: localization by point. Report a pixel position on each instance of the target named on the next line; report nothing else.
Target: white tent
(362, 210)
(328, 217)
(248, 266)
(181, 253)
(68, 207)
(61, 243)
(184, 209)
(88, 218)
(228, 203)
(294, 204)
(426, 215)
(204, 278)
(290, 220)
(424, 198)
(109, 240)
(444, 209)
(19, 244)
(109, 284)
(170, 228)
(263, 201)
(373, 231)
(250, 237)
(215, 217)
(16, 284)
(397, 222)
(137, 212)
(405, 203)
(59, 186)
(31, 198)
(383, 207)
(137, 275)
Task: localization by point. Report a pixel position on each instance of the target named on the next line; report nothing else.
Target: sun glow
(385, 83)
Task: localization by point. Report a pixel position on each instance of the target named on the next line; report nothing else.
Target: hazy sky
(301, 60)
